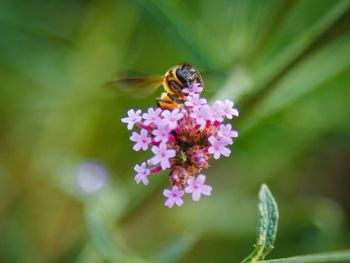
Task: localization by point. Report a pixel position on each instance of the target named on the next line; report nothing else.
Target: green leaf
(102, 240)
(341, 256)
(307, 77)
(267, 229)
(179, 23)
(177, 249)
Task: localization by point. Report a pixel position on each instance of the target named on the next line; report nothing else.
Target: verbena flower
(196, 187)
(161, 132)
(152, 116)
(142, 140)
(142, 173)
(172, 117)
(162, 155)
(195, 100)
(182, 141)
(218, 147)
(201, 114)
(196, 88)
(226, 132)
(228, 109)
(174, 196)
(132, 118)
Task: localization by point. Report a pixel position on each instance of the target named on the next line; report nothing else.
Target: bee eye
(181, 74)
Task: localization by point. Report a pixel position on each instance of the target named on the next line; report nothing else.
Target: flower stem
(341, 256)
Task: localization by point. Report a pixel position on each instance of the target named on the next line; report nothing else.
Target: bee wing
(139, 86)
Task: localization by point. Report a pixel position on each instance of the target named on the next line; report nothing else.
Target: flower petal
(216, 155)
(206, 190)
(137, 147)
(196, 195)
(179, 201)
(225, 151)
(167, 192)
(188, 189)
(169, 203)
(201, 178)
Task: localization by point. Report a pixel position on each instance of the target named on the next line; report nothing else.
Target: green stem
(341, 256)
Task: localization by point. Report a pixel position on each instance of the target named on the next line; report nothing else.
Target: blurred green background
(286, 64)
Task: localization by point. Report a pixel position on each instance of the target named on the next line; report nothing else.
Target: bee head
(186, 74)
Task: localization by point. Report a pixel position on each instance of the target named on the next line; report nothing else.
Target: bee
(174, 81)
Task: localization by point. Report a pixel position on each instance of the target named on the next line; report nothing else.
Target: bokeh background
(67, 192)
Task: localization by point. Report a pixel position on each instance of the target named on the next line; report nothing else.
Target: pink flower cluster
(182, 141)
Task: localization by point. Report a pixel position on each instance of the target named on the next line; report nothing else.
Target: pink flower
(142, 140)
(142, 173)
(161, 134)
(197, 187)
(228, 109)
(172, 117)
(226, 132)
(162, 155)
(182, 141)
(218, 148)
(132, 118)
(218, 112)
(195, 100)
(152, 116)
(195, 88)
(201, 114)
(174, 196)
